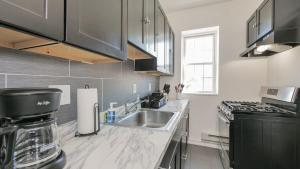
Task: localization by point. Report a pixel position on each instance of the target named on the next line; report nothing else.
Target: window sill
(202, 94)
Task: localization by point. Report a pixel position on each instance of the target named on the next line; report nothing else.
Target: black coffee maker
(28, 129)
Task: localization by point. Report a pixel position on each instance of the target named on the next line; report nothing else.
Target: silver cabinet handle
(185, 134)
(184, 156)
(145, 20)
(186, 116)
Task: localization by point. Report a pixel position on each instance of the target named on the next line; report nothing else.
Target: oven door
(224, 139)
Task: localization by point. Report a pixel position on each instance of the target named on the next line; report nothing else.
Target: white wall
(239, 79)
(284, 68)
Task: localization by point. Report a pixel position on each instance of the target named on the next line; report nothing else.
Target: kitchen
(62, 48)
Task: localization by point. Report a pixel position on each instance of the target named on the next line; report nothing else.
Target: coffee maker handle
(7, 146)
(7, 130)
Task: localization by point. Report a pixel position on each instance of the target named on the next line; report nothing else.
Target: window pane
(208, 85)
(199, 49)
(199, 70)
(208, 70)
(194, 85)
(188, 73)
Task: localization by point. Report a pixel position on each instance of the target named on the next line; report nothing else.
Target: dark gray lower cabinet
(99, 26)
(42, 17)
(185, 136)
(177, 153)
(266, 143)
(298, 146)
(178, 157)
(172, 158)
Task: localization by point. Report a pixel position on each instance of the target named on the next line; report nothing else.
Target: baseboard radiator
(210, 138)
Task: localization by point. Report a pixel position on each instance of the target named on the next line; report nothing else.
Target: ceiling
(176, 5)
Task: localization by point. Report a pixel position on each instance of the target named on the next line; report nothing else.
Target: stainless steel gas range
(275, 102)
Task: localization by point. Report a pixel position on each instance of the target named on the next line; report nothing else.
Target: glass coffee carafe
(37, 142)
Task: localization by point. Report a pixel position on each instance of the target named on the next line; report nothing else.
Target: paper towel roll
(86, 100)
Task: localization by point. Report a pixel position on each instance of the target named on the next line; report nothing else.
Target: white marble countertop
(119, 147)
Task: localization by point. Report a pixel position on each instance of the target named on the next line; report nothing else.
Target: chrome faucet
(128, 110)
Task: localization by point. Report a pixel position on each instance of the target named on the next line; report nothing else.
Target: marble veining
(118, 147)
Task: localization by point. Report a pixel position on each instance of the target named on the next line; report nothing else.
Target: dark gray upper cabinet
(167, 47)
(261, 22)
(172, 52)
(252, 30)
(136, 23)
(42, 17)
(141, 24)
(99, 26)
(265, 15)
(155, 35)
(150, 8)
(160, 40)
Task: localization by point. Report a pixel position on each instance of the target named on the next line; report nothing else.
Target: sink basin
(149, 119)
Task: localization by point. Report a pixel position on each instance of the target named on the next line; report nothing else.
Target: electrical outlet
(149, 87)
(66, 93)
(134, 89)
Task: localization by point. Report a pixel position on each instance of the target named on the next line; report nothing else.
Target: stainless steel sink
(161, 120)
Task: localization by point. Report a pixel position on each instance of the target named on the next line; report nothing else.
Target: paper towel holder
(96, 122)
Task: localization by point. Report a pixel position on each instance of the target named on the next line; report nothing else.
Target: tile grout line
(69, 68)
(5, 79)
(122, 75)
(53, 76)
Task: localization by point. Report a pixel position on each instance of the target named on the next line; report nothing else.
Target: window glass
(199, 62)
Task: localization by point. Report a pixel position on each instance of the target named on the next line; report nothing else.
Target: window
(200, 60)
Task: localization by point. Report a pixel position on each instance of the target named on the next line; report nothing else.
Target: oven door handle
(223, 118)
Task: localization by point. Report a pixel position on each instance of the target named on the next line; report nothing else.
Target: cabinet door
(250, 146)
(251, 30)
(172, 54)
(178, 157)
(41, 17)
(266, 143)
(167, 47)
(136, 23)
(150, 28)
(265, 18)
(298, 144)
(283, 148)
(99, 26)
(160, 40)
(173, 164)
(184, 141)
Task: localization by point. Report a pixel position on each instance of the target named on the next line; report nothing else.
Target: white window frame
(202, 32)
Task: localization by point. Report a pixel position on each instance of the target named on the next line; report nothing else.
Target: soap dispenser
(111, 114)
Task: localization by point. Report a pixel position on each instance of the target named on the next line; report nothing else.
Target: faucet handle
(111, 105)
